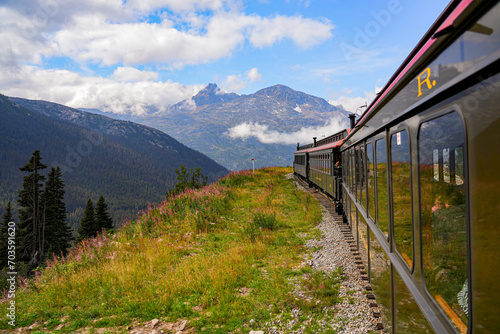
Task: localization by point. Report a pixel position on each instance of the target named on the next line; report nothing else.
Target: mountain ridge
(206, 120)
(206, 127)
(129, 164)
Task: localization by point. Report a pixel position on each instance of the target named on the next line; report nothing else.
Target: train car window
(363, 240)
(354, 222)
(355, 174)
(409, 317)
(401, 195)
(351, 170)
(444, 215)
(355, 171)
(381, 191)
(329, 162)
(380, 280)
(370, 180)
(361, 183)
(344, 168)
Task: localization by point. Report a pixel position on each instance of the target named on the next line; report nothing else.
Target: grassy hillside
(217, 257)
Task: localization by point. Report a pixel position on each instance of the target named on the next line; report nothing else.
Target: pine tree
(30, 222)
(104, 221)
(88, 225)
(4, 236)
(198, 180)
(182, 179)
(188, 180)
(58, 234)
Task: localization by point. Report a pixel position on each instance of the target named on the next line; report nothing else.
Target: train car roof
(327, 146)
(444, 22)
(302, 151)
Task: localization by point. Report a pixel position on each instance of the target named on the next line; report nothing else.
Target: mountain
(203, 122)
(213, 95)
(128, 163)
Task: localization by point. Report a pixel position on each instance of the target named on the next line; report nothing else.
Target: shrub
(265, 221)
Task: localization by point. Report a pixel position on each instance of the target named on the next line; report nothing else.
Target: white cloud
(233, 83)
(71, 89)
(178, 5)
(268, 136)
(303, 31)
(108, 33)
(353, 103)
(130, 74)
(108, 39)
(254, 75)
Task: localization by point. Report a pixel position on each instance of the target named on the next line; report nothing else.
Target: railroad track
(344, 228)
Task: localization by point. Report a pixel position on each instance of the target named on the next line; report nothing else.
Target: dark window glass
(361, 177)
(401, 195)
(409, 317)
(344, 168)
(381, 171)
(443, 215)
(371, 180)
(354, 223)
(356, 171)
(380, 279)
(351, 168)
(363, 240)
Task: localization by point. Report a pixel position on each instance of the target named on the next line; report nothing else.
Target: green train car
(319, 164)
(420, 182)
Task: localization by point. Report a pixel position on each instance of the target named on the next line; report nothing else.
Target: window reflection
(361, 175)
(363, 240)
(371, 181)
(409, 317)
(380, 279)
(443, 215)
(401, 195)
(381, 163)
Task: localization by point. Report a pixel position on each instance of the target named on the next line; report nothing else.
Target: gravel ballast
(357, 312)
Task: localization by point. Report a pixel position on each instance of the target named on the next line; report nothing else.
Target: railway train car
(421, 180)
(319, 164)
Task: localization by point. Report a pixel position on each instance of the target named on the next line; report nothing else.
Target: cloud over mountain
(268, 136)
(81, 53)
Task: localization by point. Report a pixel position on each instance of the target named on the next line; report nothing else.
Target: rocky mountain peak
(212, 94)
(276, 90)
(291, 97)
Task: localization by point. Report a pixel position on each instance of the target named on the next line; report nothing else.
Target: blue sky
(121, 56)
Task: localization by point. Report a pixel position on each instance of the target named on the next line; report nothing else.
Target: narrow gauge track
(345, 230)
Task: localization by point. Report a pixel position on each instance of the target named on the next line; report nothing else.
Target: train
(416, 178)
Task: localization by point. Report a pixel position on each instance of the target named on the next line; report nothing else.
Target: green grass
(194, 249)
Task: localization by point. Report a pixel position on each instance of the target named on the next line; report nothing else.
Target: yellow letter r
(427, 80)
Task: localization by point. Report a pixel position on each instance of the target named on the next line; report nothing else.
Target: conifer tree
(4, 236)
(102, 217)
(58, 234)
(198, 180)
(30, 223)
(188, 180)
(88, 225)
